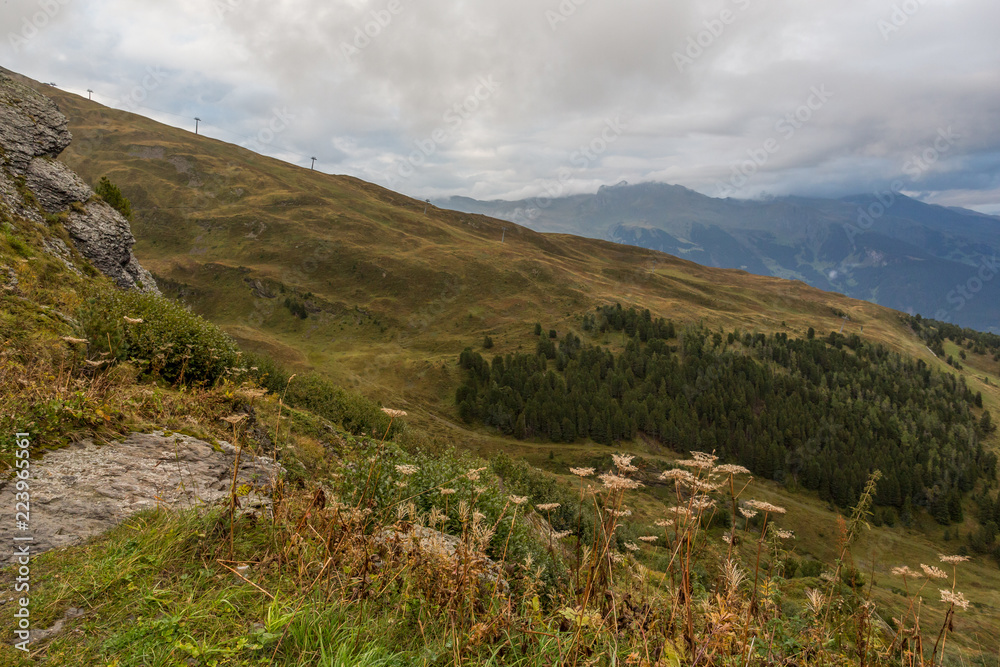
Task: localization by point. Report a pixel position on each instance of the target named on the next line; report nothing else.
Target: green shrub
(169, 341)
(354, 412)
(114, 198)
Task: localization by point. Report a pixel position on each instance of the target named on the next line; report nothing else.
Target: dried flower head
(731, 469)
(616, 557)
(664, 523)
(677, 475)
(582, 472)
(953, 559)
(701, 503)
(473, 475)
(784, 534)
(407, 469)
(933, 572)
(234, 419)
(748, 514)
(620, 513)
(624, 462)
(401, 484)
(75, 341)
(447, 492)
(699, 464)
(631, 546)
(394, 413)
(547, 507)
(558, 535)
(133, 320)
(518, 500)
(727, 537)
(616, 482)
(905, 571)
(765, 507)
(649, 538)
(954, 598)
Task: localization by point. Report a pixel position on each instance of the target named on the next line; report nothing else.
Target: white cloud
(367, 81)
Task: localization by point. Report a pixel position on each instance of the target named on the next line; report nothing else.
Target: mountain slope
(392, 293)
(884, 248)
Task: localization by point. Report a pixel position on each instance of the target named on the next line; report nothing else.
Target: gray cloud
(371, 88)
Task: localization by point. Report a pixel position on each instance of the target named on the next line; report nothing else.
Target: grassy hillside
(392, 294)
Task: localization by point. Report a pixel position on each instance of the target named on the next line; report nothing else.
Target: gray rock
(30, 125)
(55, 185)
(84, 489)
(103, 236)
(32, 134)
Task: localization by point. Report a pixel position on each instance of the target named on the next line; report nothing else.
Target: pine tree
(113, 197)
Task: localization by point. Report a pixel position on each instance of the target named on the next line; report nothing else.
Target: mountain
(885, 248)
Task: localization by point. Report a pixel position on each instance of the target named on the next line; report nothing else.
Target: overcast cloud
(526, 97)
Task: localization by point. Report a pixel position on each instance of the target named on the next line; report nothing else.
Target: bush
(114, 198)
(354, 412)
(167, 340)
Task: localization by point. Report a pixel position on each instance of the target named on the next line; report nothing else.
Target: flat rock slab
(85, 489)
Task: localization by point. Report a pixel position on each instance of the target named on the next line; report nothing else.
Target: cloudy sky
(526, 97)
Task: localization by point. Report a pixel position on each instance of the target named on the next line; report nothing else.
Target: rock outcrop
(33, 132)
(85, 489)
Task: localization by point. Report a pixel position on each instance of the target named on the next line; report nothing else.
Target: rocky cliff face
(32, 134)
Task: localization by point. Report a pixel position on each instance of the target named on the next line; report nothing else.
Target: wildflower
(620, 513)
(784, 534)
(624, 462)
(677, 475)
(547, 507)
(765, 507)
(933, 572)
(702, 456)
(700, 464)
(730, 469)
(631, 546)
(401, 484)
(558, 535)
(649, 538)
(748, 514)
(727, 537)
(954, 598)
(582, 472)
(616, 482)
(473, 475)
(518, 500)
(234, 419)
(447, 492)
(905, 571)
(702, 503)
(394, 413)
(407, 469)
(664, 523)
(953, 559)
(133, 320)
(616, 557)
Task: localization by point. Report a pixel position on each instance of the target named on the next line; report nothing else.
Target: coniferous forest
(819, 412)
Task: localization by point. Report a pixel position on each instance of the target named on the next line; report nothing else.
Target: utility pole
(504, 235)
(90, 94)
(196, 121)
(313, 166)
(843, 323)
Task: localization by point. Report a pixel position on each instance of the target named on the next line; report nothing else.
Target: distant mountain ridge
(885, 247)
